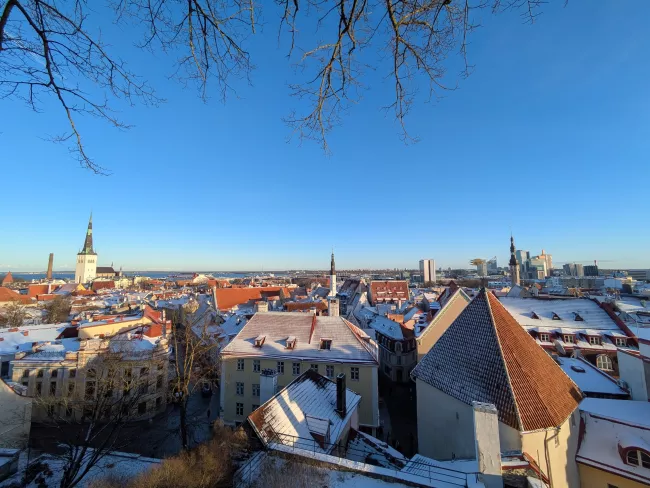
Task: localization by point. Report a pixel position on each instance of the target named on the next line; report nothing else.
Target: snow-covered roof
(611, 426)
(367, 449)
(593, 317)
(348, 343)
(589, 378)
(386, 326)
(304, 414)
(54, 351)
(12, 342)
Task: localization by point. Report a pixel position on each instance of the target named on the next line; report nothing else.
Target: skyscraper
(86, 268)
(428, 270)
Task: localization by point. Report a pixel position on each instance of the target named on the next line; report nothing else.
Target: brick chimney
(488, 446)
(50, 264)
(341, 394)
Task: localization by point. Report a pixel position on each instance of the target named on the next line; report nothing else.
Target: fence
(248, 472)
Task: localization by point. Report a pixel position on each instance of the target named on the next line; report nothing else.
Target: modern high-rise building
(428, 270)
(492, 266)
(86, 268)
(573, 269)
(481, 269)
(591, 270)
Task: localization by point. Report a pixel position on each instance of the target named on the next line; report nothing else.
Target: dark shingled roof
(486, 356)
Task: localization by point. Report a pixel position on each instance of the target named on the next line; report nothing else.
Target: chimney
(214, 296)
(341, 403)
(268, 384)
(262, 306)
(49, 266)
(333, 307)
(488, 446)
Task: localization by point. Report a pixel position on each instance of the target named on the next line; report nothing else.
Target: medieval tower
(86, 269)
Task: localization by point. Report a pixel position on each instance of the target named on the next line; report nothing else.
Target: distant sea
(69, 275)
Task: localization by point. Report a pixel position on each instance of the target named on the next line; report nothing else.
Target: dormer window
(291, 342)
(326, 344)
(569, 338)
(259, 340)
(621, 341)
(556, 316)
(594, 340)
(577, 317)
(534, 316)
(544, 337)
(637, 457)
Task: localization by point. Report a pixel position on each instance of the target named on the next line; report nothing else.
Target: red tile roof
(486, 356)
(7, 295)
(388, 290)
(34, 290)
(8, 278)
(228, 298)
(102, 285)
(294, 306)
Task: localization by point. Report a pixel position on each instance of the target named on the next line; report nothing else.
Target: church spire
(514, 266)
(88, 243)
(513, 258)
(332, 267)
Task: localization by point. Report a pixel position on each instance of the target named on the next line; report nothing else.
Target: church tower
(86, 269)
(332, 278)
(514, 265)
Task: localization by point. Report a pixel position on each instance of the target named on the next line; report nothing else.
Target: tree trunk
(183, 417)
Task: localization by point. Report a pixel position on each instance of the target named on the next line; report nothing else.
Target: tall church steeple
(514, 265)
(88, 242)
(332, 292)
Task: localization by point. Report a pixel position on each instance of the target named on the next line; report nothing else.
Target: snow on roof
(12, 342)
(367, 449)
(303, 413)
(120, 464)
(349, 343)
(386, 326)
(589, 378)
(593, 316)
(423, 466)
(609, 427)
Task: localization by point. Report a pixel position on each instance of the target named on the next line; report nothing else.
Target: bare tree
(13, 315)
(58, 310)
(196, 358)
(46, 48)
(89, 416)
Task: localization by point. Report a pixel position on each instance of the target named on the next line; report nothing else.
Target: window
(399, 360)
(314, 367)
(159, 382)
(26, 373)
(91, 373)
(240, 365)
(142, 408)
(144, 371)
(255, 407)
(239, 409)
(544, 337)
(594, 341)
(291, 342)
(240, 388)
(90, 389)
(54, 373)
(604, 362)
(620, 341)
(259, 340)
(39, 373)
(53, 388)
(326, 344)
(637, 457)
(296, 369)
(329, 371)
(38, 388)
(354, 374)
(569, 339)
(256, 390)
(160, 366)
(70, 389)
(256, 366)
(73, 373)
(280, 367)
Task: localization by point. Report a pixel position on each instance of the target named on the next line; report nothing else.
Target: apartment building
(290, 344)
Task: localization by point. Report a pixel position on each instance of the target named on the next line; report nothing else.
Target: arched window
(637, 457)
(604, 362)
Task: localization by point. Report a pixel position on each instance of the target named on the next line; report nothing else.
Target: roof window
(578, 369)
(259, 340)
(326, 344)
(291, 342)
(556, 316)
(577, 317)
(534, 316)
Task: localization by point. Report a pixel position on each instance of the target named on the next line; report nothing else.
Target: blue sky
(549, 138)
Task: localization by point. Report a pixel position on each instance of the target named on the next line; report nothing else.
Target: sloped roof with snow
(589, 378)
(303, 412)
(454, 295)
(349, 343)
(12, 342)
(486, 356)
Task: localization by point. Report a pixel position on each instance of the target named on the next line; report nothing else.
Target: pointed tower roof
(8, 278)
(486, 356)
(513, 258)
(88, 242)
(332, 267)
